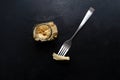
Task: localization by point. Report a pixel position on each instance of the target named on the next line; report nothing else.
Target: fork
(67, 44)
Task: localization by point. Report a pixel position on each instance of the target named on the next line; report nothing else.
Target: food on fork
(45, 32)
(61, 58)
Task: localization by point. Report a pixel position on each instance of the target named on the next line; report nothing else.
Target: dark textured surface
(95, 53)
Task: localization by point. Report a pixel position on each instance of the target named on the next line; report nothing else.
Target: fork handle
(87, 16)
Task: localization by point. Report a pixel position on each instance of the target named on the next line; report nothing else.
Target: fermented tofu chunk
(58, 57)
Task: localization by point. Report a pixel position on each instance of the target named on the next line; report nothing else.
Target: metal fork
(67, 44)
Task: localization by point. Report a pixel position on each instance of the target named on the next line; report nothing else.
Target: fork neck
(74, 34)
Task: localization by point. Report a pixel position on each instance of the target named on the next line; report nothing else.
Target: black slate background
(95, 52)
